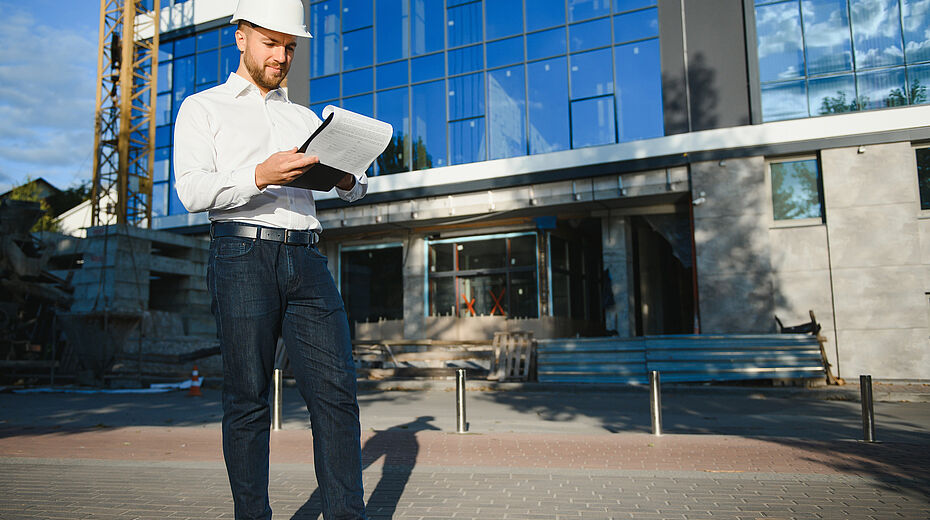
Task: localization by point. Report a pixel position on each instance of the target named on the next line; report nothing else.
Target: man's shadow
(399, 447)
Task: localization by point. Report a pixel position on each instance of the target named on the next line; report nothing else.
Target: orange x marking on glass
(470, 305)
(497, 302)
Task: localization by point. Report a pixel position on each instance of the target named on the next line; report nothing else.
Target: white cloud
(47, 77)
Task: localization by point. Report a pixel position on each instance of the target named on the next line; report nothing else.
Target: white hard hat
(285, 16)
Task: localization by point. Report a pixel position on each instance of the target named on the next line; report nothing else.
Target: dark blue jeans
(262, 290)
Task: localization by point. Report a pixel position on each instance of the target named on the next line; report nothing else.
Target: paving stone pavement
(530, 456)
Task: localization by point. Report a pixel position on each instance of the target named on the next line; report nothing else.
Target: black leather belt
(291, 237)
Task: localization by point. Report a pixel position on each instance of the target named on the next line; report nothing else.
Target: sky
(48, 65)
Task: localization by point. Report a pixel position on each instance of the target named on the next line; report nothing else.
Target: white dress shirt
(222, 134)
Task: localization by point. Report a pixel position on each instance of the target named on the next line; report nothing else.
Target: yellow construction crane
(124, 127)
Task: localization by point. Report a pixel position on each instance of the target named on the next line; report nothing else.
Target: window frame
(797, 222)
(921, 212)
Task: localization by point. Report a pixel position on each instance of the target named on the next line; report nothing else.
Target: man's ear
(240, 39)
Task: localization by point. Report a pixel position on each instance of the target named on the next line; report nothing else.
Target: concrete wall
(731, 232)
(876, 255)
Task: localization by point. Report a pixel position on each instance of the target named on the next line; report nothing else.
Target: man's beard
(269, 82)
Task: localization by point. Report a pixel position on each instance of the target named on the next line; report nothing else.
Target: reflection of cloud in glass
(877, 31)
(826, 33)
(916, 17)
(505, 112)
(882, 88)
(784, 101)
(778, 31)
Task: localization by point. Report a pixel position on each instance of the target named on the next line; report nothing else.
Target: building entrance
(662, 274)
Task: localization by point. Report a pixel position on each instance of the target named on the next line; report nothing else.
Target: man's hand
(347, 182)
(283, 167)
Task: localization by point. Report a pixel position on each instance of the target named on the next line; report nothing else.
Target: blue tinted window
(208, 40)
(160, 196)
(427, 67)
(208, 67)
(639, 90)
(916, 18)
(228, 35)
(393, 33)
(503, 18)
(429, 125)
(229, 61)
(174, 203)
(162, 158)
(637, 25)
(165, 50)
(548, 105)
(356, 49)
(589, 35)
(392, 75)
(355, 14)
(584, 9)
(629, 5)
(164, 77)
(592, 74)
(183, 81)
(163, 109)
(778, 29)
(505, 52)
(917, 80)
(324, 88)
(465, 24)
(826, 33)
(317, 108)
(324, 47)
(545, 44)
(466, 141)
(427, 27)
(393, 107)
(882, 88)
(507, 112)
(163, 135)
(876, 29)
(545, 14)
(833, 95)
(466, 96)
(360, 104)
(466, 59)
(593, 122)
(184, 46)
(357, 82)
(784, 101)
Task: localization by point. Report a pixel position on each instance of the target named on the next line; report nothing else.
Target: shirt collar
(238, 86)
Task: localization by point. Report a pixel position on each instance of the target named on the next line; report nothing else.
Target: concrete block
(801, 248)
(923, 230)
(732, 244)
(736, 303)
(797, 292)
(884, 174)
(880, 298)
(873, 236)
(884, 353)
(735, 188)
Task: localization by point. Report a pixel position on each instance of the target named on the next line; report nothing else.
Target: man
(235, 150)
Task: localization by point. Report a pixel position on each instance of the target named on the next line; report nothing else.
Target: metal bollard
(460, 424)
(655, 403)
(868, 413)
(277, 399)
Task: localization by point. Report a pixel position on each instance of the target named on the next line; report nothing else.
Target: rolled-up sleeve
(358, 191)
(199, 185)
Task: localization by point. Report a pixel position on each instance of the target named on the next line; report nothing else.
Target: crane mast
(124, 121)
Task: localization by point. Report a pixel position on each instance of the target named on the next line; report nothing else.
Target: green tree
(30, 191)
(839, 104)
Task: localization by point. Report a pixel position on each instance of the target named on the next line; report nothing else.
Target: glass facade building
(463, 82)
(819, 57)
